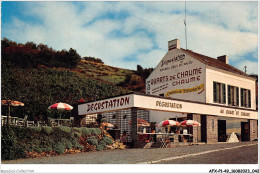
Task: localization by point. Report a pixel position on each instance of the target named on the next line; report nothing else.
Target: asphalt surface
(221, 153)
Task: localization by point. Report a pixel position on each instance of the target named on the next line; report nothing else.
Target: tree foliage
(38, 87)
(31, 55)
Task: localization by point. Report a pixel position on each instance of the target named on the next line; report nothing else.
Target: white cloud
(214, 29)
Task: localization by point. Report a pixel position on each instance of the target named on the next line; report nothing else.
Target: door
(222, 135)
(244, 131)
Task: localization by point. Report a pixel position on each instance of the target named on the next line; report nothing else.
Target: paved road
(228, 153)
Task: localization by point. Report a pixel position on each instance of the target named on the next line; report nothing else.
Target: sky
(129, 33)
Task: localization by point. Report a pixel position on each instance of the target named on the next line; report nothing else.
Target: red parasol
(190, 123)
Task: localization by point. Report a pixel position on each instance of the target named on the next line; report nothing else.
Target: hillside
(125, 78)
(40, 76)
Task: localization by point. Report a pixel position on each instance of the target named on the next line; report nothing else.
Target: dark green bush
(76, 144)
(64, 129)
(47, 129)
(77, 131)
(47, 149)
(86, 131)
(92, 140)
(38, 149)
(95, 131)
(66, 143)
(100, 147)
(8, 144)
(35, 129)
(59, 147)
(102, 143)
(108, 140)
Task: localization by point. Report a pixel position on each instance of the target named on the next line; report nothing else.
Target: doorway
(222, 135)
(244, 131)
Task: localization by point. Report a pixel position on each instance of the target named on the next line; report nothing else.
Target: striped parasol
(190, 123)
(61, 106)
(168, 123)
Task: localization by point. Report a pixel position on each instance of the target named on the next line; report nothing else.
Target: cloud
(116, 31)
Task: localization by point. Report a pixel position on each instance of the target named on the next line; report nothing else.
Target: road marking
(194, 154)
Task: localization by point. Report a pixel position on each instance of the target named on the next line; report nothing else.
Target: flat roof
(152, 102)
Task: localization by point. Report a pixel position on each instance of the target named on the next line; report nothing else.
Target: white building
(187, 85)
(183, 74)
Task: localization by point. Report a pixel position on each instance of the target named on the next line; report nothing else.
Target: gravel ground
(126, 156)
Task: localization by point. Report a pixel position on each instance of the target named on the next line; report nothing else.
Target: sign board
(100, 106)
(178, 75)
(163, 104)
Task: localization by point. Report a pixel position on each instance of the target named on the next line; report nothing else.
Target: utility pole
(185, 27)
(245, 68)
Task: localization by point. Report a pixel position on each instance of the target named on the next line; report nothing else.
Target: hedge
(16, 141)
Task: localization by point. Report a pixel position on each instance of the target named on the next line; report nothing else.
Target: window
(245, 98)
(233, 95)
(219, 92)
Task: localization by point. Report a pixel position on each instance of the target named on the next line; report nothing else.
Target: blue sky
(124, 34)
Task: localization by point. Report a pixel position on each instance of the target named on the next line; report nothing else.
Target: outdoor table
(185, 135)
(163, 140)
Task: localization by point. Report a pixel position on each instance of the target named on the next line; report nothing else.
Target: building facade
(187, 85)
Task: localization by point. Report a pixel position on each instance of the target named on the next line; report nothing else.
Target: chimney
(173, 44)
(223, 58)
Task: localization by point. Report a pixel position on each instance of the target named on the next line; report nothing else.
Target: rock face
(232, 138)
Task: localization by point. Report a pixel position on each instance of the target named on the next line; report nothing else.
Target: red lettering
(88, 107)
(118, 102)
(178, 75)
(127, 99)
(95, 107)
(122, 102)
(182, 74)
(110, 104)
(114, 102)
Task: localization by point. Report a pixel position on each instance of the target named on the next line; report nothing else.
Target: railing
(23, 122)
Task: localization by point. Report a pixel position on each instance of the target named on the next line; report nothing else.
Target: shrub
(59, 148)
(76, 144)
(47, 129)
(64, 129)
(35, 129)
(86, 131)
(99, 148)
(38, 149)
(66, 143)
(102, 143)
(95, 131)
(92, 141)
(8, 144)
(108, 140)
(77, 131)
(47, 149)
(35, 142)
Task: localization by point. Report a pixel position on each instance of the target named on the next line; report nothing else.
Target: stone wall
(253, 129)
(212, 129)
(196, 131)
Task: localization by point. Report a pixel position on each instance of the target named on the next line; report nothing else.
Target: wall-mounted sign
(105, 105)
(235, 113)
(199, 88)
